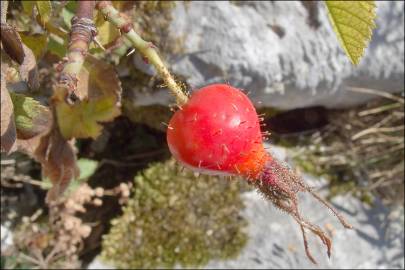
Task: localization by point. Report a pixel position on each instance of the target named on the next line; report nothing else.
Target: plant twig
(377, 93)
(147, 49)
(82, 33)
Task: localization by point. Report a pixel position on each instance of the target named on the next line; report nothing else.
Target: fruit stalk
(82, 33)
(147, 49)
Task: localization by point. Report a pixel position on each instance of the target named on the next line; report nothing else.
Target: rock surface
(285, 53)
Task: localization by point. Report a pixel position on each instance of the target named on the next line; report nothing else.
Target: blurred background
(340, 126)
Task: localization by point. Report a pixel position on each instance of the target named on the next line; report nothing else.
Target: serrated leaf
(37, 43)
(44, 10)
(31, 118)
(100, 92)
(353, 23)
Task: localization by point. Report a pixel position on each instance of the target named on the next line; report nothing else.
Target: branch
(147, 49)
(82, 33)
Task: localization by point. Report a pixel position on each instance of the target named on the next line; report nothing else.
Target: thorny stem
(147, 49)
(82, 33)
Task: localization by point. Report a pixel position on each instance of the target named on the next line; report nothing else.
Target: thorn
(131, 52)
(169, 127)
(97, 42)
(236, 168)
(199, 164)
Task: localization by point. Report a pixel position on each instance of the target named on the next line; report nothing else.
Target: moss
(176, 217)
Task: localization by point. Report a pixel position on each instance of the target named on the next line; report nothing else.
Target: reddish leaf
(11, 42)
(8, 130)
(58, 159)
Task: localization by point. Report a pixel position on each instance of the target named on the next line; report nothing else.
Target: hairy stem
(82, 33)
(147, 49)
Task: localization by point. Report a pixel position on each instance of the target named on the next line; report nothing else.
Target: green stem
(147, 49)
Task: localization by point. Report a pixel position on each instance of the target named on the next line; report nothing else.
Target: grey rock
(275, 241)
(270, 49)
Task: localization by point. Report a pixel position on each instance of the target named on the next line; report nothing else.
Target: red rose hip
(218, 132)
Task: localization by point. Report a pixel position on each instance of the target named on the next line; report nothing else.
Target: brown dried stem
(82, 33)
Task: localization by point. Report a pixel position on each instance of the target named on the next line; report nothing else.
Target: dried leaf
(37, 43)
(8, 130)
(29, 69)
(31, 118)
(12, 44)
(58, 160)
(44, 10)
(353, 23)
(100, 91)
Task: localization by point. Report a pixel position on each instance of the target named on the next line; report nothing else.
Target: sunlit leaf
(87, 167)
(44, 9)
(107, 32)
(100, 91)
(67, 17)
(31, 118)
(28, 6)
(353, 23)
(37, 43)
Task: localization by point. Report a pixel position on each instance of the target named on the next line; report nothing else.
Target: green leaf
(44, 10)
(106, 32)
(353, 23)
(100, 92)
(31, 118)
(56, 45)
(87, 167)
(28, 6)
(67, 17)
(37, 43)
